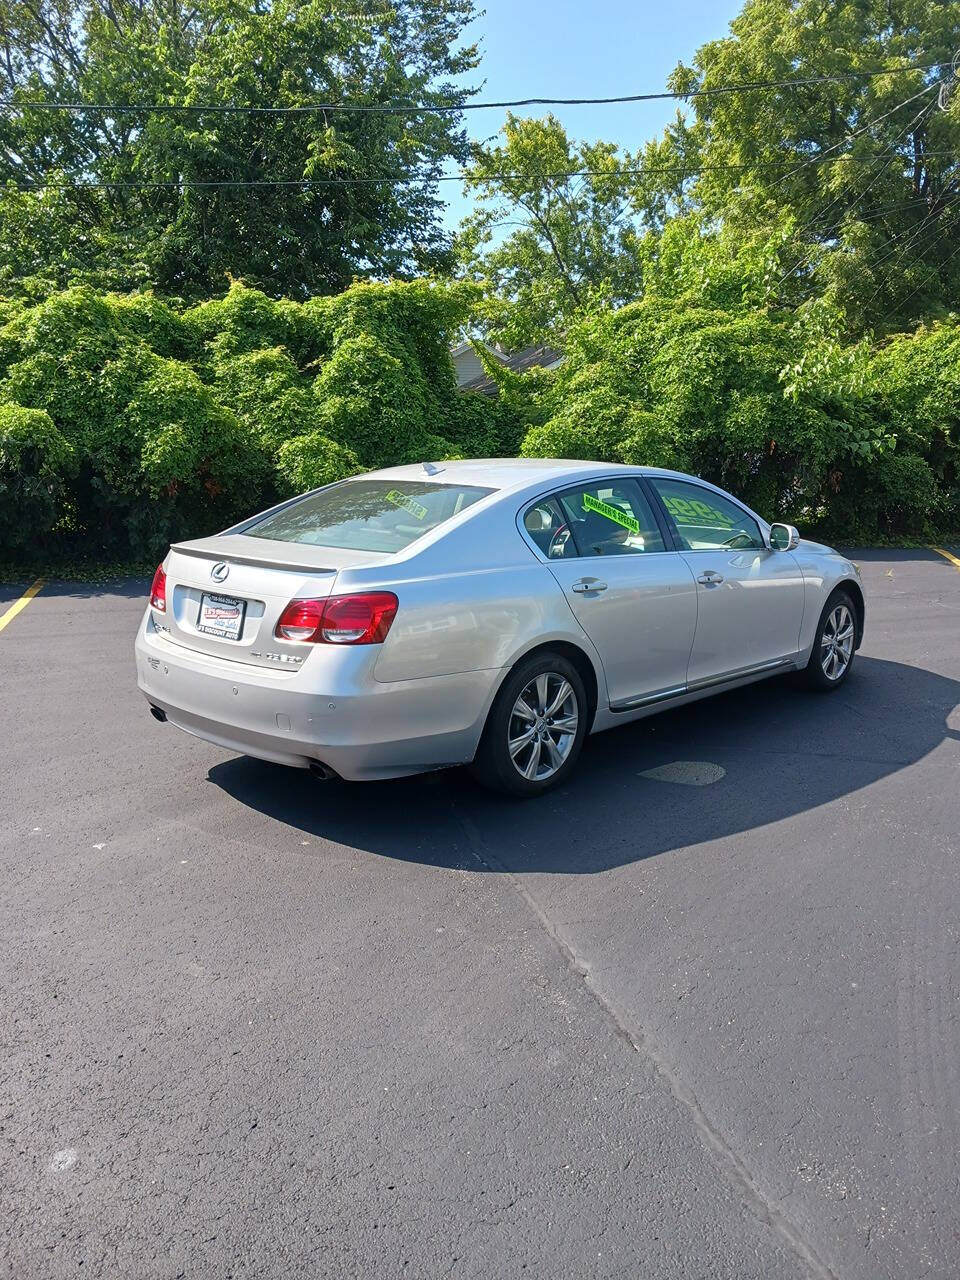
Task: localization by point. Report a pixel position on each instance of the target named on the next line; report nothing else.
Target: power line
(403, 108)
(869, 124)
(898, 140)
(805, 261)
(901, 302)
(914, 235)
(689, 171)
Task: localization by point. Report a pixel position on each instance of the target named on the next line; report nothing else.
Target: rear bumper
(334, 712)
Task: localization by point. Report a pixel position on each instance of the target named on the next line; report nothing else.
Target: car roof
(501, 473)
(532, 476)
(511, 474)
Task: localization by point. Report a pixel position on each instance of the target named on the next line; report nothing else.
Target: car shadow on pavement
(780, 751)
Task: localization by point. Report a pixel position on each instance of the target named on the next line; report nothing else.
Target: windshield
(367, 515)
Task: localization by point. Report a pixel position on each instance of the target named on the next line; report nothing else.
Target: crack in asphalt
(766, 1211)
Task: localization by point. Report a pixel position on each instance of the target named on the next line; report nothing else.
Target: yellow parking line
(22, 603)
(939, 550)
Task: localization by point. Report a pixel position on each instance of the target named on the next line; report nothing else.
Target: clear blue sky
(577, 49)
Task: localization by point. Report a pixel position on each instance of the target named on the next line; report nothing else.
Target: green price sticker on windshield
(416, 509)
(610, 513)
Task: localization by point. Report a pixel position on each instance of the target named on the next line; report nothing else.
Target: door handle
(589, 584)
(710, 578)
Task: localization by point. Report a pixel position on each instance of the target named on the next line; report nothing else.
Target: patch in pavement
(688, 773)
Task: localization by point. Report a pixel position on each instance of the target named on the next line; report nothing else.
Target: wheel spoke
(559, 699)
(524, 740)
(543, 684)
(553, 752)
(566, 724)
(533, 764)
(523, 710)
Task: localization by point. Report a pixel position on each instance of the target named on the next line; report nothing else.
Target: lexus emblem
(219, 571)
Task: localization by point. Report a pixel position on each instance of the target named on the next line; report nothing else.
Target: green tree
(570, 242)
(867, 165)
(120, 231)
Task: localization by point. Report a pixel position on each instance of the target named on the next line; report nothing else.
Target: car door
(635, 598)
(750, 598)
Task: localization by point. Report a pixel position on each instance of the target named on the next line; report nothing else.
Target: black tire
(494, 764)
(820, 663)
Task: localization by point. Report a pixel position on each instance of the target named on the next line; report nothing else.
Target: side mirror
(784, 537)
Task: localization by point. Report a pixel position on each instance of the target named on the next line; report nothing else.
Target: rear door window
(367, 515)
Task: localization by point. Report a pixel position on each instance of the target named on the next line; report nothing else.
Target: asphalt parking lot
(255, 1025)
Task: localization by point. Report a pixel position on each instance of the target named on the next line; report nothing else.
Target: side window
(547, 527)
(611, 518)
(705, 521)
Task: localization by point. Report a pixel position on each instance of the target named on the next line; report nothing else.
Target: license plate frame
(229, 627)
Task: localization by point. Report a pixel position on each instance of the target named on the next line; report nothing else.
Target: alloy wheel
(543, 726)
(836, 644)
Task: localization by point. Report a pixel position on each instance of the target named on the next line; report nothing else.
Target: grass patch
(74, 570)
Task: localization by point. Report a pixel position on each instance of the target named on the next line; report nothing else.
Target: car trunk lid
(226, 593)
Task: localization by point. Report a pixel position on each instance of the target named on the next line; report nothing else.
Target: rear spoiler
(260, 561)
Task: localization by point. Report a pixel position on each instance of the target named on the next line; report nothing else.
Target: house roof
(537, 356)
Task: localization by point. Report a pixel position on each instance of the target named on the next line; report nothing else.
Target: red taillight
(300, 620)
(158, 590)
(364, 618)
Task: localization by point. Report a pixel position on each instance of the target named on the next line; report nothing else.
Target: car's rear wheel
(535, 728)
(834, 646)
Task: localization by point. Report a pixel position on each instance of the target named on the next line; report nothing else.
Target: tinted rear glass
(368, 515)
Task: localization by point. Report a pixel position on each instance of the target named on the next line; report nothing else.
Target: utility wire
(403, 179)
(402, 108)
(804, 261)
(914, 234)
(838, 199)
(913, 292)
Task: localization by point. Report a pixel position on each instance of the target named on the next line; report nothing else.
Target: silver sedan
(490, 612)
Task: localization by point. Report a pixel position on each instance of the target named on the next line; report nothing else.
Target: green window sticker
(693, 511)
(611, 513)
(416, 509)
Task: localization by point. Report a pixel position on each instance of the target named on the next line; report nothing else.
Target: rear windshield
(368, 515)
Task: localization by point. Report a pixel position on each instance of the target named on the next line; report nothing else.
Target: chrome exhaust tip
(158, 714)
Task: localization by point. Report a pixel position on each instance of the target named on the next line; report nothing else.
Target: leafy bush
(838, 439)
(179, 422)
(309, 461)
(145, 422)
(245, 320)
(480, 426)
(198, 465)
(268, 394)
(35, 465)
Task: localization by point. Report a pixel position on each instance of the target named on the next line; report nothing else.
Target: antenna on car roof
(432, 468)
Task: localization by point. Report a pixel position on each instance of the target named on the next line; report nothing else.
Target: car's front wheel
(535, 728)
(835, 643)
